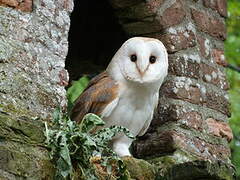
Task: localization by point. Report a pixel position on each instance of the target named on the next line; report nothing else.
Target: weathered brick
(190, 90)
(63, 78)
(143, 27)
(11, 3)
(123, 3)
(219, 5)
(204, 45)
(180, 67)
(177, 113)
(220, 129)
(154, 144)
(183, 89)
(218, 56)
(214, 76)
(199, 147)
(217, 101)
(170, 140)
(165, 113)
(208, 150)
(209, 24)
(193, 120)
(25, 6)
(176, 42)
(139, 11)
(173, 15)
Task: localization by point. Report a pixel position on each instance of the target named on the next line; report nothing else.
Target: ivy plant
(83, 149)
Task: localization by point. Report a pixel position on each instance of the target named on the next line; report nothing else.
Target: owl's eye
(152, 59)
(133, 58)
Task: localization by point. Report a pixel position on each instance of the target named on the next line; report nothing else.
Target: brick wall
(193, 111)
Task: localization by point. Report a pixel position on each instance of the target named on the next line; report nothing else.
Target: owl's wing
(100, 97)
(148, 121)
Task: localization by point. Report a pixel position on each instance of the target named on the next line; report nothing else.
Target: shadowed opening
(94, 37)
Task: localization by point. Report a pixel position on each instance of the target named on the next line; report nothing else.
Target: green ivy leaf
(70, 142)
(89, 122)
(75, 90)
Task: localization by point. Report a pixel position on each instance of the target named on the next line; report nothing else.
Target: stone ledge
(178, 167)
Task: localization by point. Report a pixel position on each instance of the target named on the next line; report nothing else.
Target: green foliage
(75, 90)
(232, 52)
(73, 145)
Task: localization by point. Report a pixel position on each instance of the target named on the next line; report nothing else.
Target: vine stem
(235, 68)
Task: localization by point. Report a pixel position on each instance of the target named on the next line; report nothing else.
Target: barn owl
(126, 93)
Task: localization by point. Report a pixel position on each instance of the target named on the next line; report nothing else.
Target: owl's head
(140, 60)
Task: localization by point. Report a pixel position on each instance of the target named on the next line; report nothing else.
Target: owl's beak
(142, 67)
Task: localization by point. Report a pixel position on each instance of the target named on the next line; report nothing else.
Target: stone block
(123, 3)
(209, 24)
(179, 41)
(218, 56)
(139, 11)
(173, 15)
(204, 45)
(219, 5)
(214, 76)
(179, 66)
(25, 6)
(220, 129)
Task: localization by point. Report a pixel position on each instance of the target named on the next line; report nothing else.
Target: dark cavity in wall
(94, 37)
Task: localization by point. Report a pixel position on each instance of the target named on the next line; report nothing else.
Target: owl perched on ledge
(126, 94)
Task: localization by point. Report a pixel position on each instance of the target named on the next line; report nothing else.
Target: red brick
(167, 141)
(63, 77)
(193, 120)
(190, 92)
(208, 150)
(176, 113)
(201, 148)
(187, 90)
(176, 42)
(219, 5)
(180, 67)
(220, 129)
(209, 24)
(139, 11)
(25, 6)
(154, 5)
(123, 3)
(143, 27)
(170, 140)
(11, 3)
(218, 56)
(173, 15)
(218, 102)
(204, 46)
(166, 113)
(154, 145)
(215, 76)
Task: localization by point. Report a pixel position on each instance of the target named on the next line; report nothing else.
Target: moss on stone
(21, 129)
(139, 169)
(25, 161)
(182, 165)
(22, 151)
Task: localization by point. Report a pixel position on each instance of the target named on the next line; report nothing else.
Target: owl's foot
(121, 148)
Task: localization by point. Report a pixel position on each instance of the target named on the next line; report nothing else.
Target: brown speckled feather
(100, 91)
